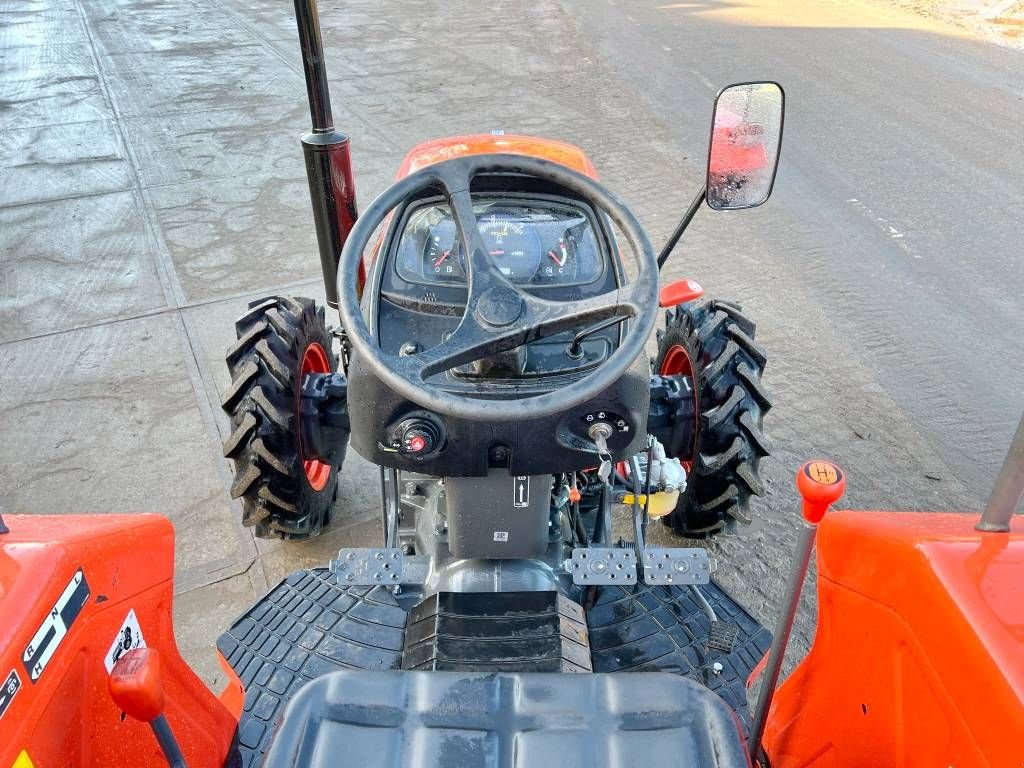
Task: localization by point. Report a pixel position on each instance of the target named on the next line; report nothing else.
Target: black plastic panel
(459, 720)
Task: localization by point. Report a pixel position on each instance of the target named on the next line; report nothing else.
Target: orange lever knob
(821, 484)
(135, 684)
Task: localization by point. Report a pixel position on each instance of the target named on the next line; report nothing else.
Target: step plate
(676, 565)
(602, 565)
(369, 566)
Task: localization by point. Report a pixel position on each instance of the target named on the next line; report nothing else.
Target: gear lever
(136, 688)
(821, 484)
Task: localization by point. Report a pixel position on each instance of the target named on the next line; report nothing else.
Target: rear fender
(919, 653)
(112, 566)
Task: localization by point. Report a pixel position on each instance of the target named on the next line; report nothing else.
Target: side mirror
(746, 134)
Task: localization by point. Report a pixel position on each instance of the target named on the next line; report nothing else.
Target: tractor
(494, 306)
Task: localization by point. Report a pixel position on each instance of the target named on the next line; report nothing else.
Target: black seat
(466, 720)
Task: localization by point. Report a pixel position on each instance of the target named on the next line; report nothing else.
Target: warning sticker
(23, 761)
(521, 491)
(129, 637)
(501, 535)
(55, 626)
(11, 686)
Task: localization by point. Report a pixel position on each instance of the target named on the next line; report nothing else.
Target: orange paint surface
(67, 717)
(919, 654)
(438, 150)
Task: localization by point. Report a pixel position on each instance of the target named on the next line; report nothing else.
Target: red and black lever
(136, 687)
(820, 484)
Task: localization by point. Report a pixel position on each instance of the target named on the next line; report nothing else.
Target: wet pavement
(151, 184)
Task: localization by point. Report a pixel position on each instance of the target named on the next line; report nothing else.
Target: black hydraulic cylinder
(326, 151)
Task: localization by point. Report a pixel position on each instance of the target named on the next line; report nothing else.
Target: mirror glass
(746, 133)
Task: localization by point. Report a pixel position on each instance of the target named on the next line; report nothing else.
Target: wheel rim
(314, 360)
(676, 362)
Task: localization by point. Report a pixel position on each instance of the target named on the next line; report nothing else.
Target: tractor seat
(466, 720)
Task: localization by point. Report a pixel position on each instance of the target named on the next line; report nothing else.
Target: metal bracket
(676, 565)
(602, 565)
(369, 566)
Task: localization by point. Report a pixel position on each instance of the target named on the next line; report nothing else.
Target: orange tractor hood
(438, 150)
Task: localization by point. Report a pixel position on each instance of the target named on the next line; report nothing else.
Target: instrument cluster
(538, 243)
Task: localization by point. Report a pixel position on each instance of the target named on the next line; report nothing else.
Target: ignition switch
(419, 438)
(416, 436)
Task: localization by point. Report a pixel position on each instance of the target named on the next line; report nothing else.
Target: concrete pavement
(151, 183)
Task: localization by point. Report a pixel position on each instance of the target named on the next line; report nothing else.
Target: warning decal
(129, 637)
(55, 626)
(10, 687)
(521, 491)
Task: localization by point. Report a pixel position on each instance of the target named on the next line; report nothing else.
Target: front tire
(713, 342)
(284, 495)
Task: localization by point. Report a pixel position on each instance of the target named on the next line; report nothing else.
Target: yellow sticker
(23, 761)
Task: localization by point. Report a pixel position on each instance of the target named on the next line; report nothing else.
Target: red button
(417, 443)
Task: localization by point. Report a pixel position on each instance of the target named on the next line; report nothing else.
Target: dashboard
(547, 243)
(537, 243)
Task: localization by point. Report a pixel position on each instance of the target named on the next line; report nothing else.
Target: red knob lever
(821, 484)
(135, 684)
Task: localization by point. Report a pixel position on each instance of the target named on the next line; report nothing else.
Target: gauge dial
(514, 249)
(442, 255)
(560, 262)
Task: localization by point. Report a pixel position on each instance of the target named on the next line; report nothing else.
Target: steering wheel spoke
(546, 318)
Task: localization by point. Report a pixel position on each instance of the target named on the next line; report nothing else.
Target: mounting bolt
(717, 667)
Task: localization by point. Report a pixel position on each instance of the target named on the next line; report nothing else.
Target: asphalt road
(898, 215)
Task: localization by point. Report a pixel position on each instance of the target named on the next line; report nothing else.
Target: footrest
(676, 565)
(369, 566)
(602, 565)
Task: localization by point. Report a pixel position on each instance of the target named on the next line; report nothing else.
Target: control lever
(136, 688)
(820, 484)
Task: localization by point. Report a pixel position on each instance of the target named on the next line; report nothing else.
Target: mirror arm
(681, 226)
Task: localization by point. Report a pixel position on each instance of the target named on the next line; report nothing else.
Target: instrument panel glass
(538, 243)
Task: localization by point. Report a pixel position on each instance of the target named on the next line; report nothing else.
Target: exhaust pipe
(332, 188)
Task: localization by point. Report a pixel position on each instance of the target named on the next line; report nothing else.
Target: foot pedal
(676, 565)
(722, 636)
(369, 567)
(602, 565)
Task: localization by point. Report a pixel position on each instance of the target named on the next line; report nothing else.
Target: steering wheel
(499, 315)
